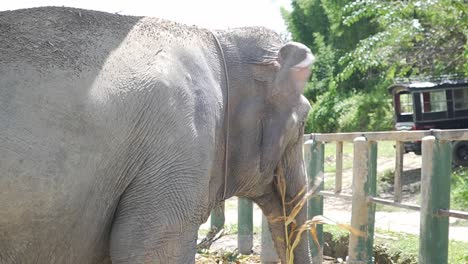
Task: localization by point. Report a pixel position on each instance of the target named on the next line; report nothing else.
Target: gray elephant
(119, 134)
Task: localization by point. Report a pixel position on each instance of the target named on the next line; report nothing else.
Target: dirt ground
(387, 218)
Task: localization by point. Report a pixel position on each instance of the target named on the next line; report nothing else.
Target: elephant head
(268, 113)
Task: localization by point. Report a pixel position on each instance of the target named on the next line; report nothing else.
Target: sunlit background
(216, 14)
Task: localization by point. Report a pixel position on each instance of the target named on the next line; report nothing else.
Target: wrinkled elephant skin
(113, 133)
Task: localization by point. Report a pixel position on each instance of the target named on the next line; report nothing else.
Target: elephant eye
(301, 123)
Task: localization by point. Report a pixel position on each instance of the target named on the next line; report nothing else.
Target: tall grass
(293, 233)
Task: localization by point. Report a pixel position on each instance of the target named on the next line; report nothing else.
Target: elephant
(119, 134)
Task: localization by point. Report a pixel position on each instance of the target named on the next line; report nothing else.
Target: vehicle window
(433, 101)
(460, 98)
(406, 104)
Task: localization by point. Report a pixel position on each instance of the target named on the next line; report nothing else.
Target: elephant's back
(71, 38)
(60, 37)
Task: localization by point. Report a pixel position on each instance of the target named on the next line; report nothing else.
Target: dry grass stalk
(292, 232)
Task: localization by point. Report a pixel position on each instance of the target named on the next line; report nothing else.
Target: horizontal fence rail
(453, 213)
(435, 192)
(415, 135)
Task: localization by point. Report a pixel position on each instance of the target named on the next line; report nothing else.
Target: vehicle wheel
(460, 153)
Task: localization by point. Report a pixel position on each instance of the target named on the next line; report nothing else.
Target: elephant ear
(295, 60)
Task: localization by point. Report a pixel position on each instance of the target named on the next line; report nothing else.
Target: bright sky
(216, 14)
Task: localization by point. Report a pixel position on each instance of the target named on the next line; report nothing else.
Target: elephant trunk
(301, 253)
(296, 184)
(291, 183)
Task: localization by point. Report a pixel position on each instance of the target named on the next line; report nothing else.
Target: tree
(362, 46)
(415, 38)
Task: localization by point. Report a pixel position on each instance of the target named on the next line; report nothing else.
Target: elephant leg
(149, 228)
(134, 239)
(164, 244)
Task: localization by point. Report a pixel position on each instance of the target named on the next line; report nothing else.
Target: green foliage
(361, 46)
(365, 111)
(359, 111)
(307, 17)
(324, 115)
(322, 69)
(415, 38)
(459, 193)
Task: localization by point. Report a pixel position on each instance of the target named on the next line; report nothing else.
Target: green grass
(385, 149)
(330, 149)
(330, 157)
(406, 246)
(459, 192)
(335, 231)
(329, 183)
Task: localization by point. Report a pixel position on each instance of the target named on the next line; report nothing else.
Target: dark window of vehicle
(435, 101)
(406, 104)
(460, 98)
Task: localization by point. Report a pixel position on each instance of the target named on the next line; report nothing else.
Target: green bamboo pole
(371, 190)
(245, 226)
(314, 158)
(435, 193)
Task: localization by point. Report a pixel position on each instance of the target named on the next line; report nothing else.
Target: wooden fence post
(314, 158)
(435, 193)
(397, 186)
(358, 245)
(245, 226)
(268, 254)
(339, 166)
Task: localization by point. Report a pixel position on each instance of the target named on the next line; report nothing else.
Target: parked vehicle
(441, 104)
